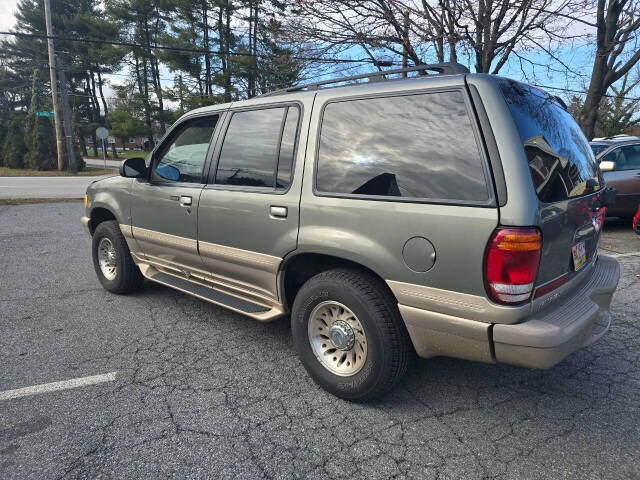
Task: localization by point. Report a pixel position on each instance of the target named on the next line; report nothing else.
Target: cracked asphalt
(205, 393)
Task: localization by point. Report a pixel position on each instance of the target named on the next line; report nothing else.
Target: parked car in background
(453, 214)
(619, 159)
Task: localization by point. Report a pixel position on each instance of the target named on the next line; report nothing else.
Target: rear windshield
(561, 161)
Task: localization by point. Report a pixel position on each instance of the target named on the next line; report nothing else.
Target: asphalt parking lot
(197, 391)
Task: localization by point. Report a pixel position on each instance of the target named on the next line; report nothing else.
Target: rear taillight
(511, 264)
(636, 221)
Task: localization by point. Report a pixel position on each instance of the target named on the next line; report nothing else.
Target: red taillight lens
(511, 264)
(636, 220)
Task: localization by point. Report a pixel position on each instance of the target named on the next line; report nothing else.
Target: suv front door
(249, 212)
(625, 179)
(164, 208)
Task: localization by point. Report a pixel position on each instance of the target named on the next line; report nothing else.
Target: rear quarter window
(419, 146)
(561, 161)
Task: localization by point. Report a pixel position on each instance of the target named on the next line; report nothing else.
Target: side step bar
(263, 313)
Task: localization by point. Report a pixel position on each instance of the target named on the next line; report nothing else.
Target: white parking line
(52, 387)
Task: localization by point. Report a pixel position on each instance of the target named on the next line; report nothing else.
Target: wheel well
(99, 215)
(304, 266)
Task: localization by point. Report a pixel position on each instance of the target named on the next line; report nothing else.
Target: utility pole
(54, 87)
(68, 127)
(405, 41)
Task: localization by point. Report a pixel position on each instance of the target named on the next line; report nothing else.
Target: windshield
(561, 162)
(597, 148)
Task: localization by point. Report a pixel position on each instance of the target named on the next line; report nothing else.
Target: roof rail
(445, 68)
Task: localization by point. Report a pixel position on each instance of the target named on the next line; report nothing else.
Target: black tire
(128, 277)
(375, 307)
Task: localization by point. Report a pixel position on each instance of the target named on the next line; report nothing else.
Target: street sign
(44, 114)
(102, 133)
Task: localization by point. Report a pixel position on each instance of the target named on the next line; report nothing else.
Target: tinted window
(182, 158)
(415, 146)
(626, 158)
(561, 161)
(597, 148)
(248, 155)
(287, 149)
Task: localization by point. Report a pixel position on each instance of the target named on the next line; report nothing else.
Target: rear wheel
(112, 260)
(349, 334)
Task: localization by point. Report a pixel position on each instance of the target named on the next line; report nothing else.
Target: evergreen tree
(3, 137)
(39, 138)
(14, 148)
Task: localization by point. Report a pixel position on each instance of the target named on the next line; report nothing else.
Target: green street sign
(44, 114)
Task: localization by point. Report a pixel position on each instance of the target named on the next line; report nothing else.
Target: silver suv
(449, 214)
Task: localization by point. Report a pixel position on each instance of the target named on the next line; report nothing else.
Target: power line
(186, 50)
(239, 54)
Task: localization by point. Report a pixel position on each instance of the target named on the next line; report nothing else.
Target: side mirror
(133, 168)
(607, 166)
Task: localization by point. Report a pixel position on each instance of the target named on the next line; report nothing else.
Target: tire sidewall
(364, 381)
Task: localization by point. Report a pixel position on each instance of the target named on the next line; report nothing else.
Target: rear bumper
(541, 340)
(567, 325)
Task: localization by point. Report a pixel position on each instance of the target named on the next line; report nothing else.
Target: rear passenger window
(258, 148)
(415, 146)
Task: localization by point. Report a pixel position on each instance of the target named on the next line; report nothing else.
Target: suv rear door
(566, 180)
(249, 211)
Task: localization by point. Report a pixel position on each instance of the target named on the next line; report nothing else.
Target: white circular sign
(102, 133)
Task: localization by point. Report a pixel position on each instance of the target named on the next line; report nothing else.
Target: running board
(260, 312)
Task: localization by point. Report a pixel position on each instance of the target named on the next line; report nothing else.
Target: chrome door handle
(279, 212)
(185, 201)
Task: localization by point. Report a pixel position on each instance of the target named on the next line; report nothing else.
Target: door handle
(278, 212)
(185, 201)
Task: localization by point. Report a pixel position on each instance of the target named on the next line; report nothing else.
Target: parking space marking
(55, 386)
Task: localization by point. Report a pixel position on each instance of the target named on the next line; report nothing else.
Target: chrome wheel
(107, 259)
(337, 338)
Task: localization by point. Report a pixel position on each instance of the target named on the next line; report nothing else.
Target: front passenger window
(182, 159)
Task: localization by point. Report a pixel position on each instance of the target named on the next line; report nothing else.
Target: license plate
(579, 255)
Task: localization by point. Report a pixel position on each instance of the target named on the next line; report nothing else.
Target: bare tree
(490, 29)
(617, 51)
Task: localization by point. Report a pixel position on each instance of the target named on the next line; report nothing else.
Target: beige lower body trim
(448, 302)
(254, 269)
(85, 223)
(168, 247)
(435, 334)
(246, 275)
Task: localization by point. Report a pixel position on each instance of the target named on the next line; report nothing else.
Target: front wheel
(349, 334)
(112, 260)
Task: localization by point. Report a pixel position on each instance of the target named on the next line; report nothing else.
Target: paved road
(202, 392)
(45, 187)
(92, 162)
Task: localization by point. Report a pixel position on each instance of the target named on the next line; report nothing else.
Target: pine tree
(14, 148)
(3, 137)
(39, 136)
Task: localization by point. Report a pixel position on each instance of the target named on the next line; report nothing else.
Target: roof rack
(446, 68)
